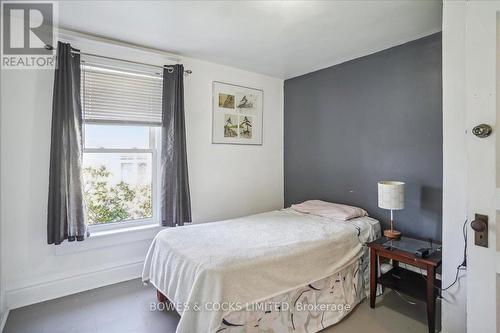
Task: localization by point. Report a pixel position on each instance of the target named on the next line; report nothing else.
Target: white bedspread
(248, 259)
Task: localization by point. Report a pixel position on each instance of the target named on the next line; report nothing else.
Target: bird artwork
(229, 127)
(226, 101)
(245, 103)
(246, 128)
(237, 116)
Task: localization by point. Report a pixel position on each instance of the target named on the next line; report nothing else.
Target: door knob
(482, 130)
(480, 227)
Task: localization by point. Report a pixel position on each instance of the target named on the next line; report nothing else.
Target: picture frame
(237, 114)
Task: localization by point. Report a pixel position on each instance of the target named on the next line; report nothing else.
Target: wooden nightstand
(405, 281)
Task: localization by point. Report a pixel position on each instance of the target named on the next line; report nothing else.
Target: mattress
(210, 270)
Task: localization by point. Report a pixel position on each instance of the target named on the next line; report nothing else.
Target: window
(122, 115)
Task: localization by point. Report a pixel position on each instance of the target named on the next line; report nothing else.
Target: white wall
(226, 180)
(454, 164)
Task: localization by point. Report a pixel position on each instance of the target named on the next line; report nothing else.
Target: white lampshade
(391, 195)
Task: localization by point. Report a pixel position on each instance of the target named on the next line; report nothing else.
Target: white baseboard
(3, 319)
(45, 291)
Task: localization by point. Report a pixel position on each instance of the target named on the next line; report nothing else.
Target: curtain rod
(65, 32)
(169, 68)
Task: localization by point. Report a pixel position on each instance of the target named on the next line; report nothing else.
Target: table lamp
(391, 195)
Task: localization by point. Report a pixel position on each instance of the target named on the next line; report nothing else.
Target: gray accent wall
(374, 118)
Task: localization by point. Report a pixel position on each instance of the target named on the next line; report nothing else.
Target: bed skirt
(310, 308)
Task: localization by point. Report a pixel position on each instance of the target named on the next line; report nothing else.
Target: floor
(125, 308)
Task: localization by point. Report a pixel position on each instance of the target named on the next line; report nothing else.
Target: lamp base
(393, 234)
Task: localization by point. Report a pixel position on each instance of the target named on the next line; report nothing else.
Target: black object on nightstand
(405, 281)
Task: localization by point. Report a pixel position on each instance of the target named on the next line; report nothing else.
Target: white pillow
(329, 209)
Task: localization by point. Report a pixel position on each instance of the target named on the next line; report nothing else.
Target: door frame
(469, 163)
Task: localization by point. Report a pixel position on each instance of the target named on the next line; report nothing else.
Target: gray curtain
(65, 218)
(175, 199)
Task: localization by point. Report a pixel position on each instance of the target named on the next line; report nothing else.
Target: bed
(280, 271)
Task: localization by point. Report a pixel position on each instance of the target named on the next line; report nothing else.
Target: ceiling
(282, 39)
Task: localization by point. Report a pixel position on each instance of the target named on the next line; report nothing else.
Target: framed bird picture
(236, 114)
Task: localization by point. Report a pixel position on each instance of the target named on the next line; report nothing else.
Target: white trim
(45, 291)
(99, 229)
(497, 199)
(498, 263)
(454, 314)
(118, 150)
(108, 238)
(65, 33)
(3, 319)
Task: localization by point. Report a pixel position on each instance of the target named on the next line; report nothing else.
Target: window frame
(155, 151)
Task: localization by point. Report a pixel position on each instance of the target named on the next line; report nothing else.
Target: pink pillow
(330, 210)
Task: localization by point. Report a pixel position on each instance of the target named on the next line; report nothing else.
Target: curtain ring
(169, 69)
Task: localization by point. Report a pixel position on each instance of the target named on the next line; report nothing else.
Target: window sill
(108, 238)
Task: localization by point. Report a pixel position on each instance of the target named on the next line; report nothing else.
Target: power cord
(407, 300)
(461, 267)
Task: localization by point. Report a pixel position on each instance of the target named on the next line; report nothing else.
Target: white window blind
(111, 95)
